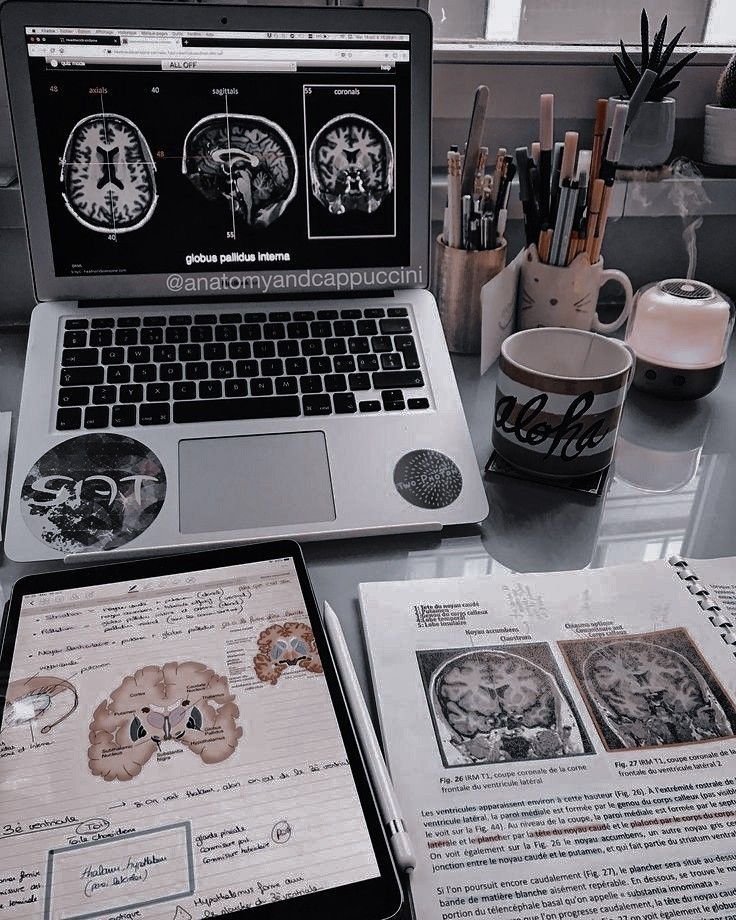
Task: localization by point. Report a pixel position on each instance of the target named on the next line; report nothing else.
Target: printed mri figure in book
(351, 165)
(244, 160)
(107, 174)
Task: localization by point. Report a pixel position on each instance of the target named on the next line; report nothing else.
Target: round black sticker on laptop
(428, 479)
(93, 492)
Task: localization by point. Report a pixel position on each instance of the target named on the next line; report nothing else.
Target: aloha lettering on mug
(559, 396)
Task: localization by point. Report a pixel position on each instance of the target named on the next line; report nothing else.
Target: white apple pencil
(382, 785)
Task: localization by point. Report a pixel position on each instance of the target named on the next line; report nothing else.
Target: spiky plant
(654, 58)
(726, 92)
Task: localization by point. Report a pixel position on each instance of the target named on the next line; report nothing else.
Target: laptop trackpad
(254, 481)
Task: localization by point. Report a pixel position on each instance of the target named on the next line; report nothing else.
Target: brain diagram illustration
(351, 164)
(186, 703)
(285, 646)
(245, 160)
(108, 175)
(41, 700)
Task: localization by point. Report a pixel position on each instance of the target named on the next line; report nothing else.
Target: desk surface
(673, 490)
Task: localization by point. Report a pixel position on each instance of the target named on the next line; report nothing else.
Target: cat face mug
(559, 396)
(567, 296)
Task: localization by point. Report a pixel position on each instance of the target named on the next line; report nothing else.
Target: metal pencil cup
(457, 278)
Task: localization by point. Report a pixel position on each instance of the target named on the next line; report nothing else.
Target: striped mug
(559, 396)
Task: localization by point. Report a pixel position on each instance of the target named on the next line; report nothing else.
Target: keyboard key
(261, 386)
(152, 336)
(312, 347)
(123, 416)
(393, 400)
(246, 368)
(336, 346)
(214, 351)
(154, 321)
(398, 311)
(272, 367)
(75, 339)
(239, 350)
(320, 365)
(249, 332)
(370, 405)
(384, 380)
(114, 355)
(68, 419)
(264, 350)
(359, 346)
(274, 331)
(391, 362)
(182, 320)
(227, 319)
(375, 313)
(205, 319)
(304, 315)
(170, 372)
(155, 414)
(118, 373)
(236, 388)
(176, 334)
(190, 352)
(317, 405)
(79, 357)
(335, 383)
(81, 376)
(131, 393)
(255, 318)
(344, 403)
(405, 344)
(185, 390)
(287, 348)
(129, 322)
(344, 327)
(381, 343)
(100, 338)
(359, 381)
(327, 314)
(210, 389)
(76, 324)
(227, 410)
(418, 403)
(137, 354)
(296, 366)
(286, 385)
(367, 327)
(279, 317)
(200, 334)
(295, 330)
(222, 370)
(104, 396)
(411, 360)
(144, 373)
(126, 336)
(344, 364)
(196, 370)
(158, 392)
(367, 362)
(320, 330)
(226, 333)
(96, 417)
(103, 322)
(162, 353)
(350, 314)
(311, 384)
(73, 396)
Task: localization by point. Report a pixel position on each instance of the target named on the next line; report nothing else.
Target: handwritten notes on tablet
(168, 749)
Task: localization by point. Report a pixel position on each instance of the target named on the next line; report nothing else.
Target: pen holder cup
(457, 277)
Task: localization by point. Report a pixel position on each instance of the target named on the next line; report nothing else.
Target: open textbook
(564, 745)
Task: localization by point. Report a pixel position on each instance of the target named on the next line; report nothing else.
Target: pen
(554, 191)
(382, 785)
(536, 150)
(480, 171)
(467, 215)
(546, 141)
(454, 219)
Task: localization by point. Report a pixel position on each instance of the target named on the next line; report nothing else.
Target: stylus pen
(382, 785)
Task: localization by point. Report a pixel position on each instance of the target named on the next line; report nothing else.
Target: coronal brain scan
(351, 165)
(107, 173)
(244, 160)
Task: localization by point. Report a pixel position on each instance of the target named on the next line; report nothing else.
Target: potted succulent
(719, 146)
(650, 136)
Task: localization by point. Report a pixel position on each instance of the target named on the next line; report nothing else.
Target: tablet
(175, 745)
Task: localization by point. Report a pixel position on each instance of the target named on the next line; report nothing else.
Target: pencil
(599, 132)
(596, 197)
(480, 173)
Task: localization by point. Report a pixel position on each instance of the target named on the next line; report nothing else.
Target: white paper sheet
(562, 745)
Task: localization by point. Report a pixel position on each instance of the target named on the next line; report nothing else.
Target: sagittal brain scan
(245, 160)
(351, 165)
(107, 174)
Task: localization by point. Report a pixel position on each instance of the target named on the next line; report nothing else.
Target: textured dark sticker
(428, 479)
(93, 492)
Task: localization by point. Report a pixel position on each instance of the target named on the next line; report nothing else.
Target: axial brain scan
(108, 175)
(246, 160)
(351, 165)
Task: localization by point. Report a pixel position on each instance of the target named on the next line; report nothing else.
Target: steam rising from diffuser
(689, 198)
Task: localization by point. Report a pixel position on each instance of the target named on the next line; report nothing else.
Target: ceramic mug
(555, 295)
(559, 396)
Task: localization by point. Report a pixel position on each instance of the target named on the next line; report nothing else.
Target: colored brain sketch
(283, 647)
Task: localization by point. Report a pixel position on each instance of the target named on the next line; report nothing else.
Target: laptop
(228, 222)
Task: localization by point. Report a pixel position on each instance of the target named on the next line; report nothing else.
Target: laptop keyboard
(117, 372)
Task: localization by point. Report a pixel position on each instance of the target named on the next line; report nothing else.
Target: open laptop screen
(167, 151)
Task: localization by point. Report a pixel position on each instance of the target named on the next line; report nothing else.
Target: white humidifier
(679, 331)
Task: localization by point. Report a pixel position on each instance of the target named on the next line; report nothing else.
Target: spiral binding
(706, 601)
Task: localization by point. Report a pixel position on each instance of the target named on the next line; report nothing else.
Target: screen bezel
(17, 15)
(373, 899)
